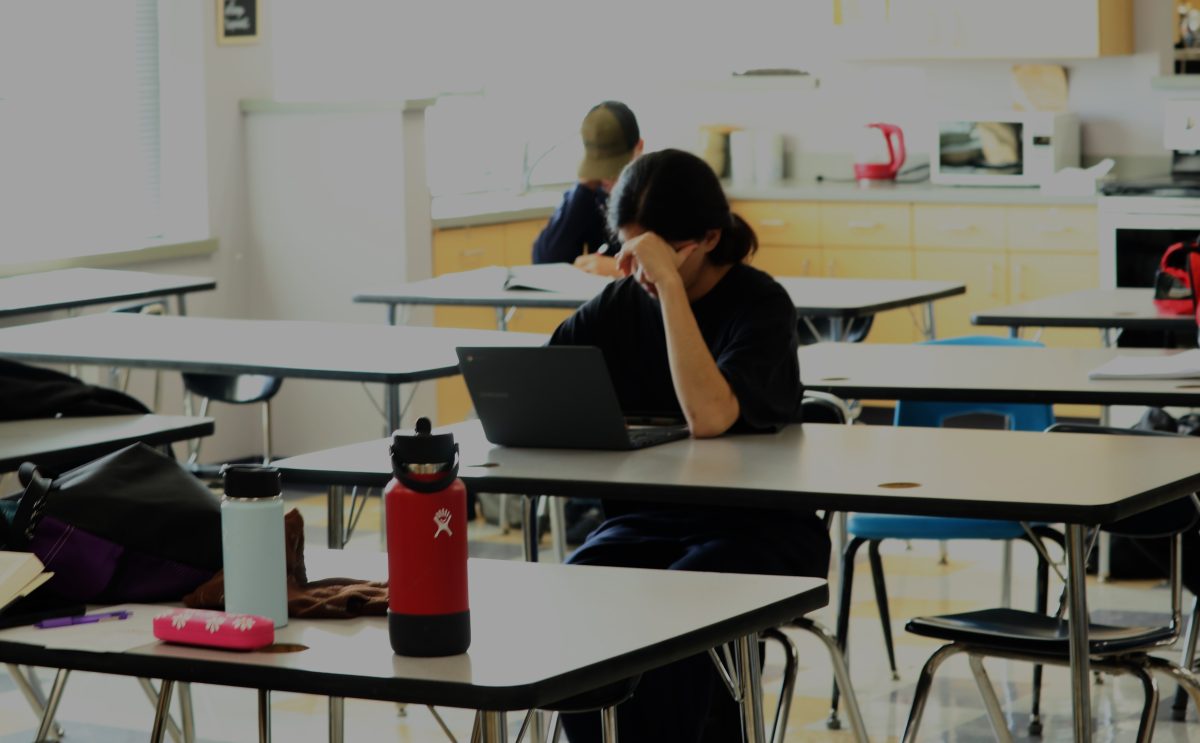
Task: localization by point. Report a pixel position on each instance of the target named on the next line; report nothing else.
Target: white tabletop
(79, 287)
(811, 296)
(1090, 308)
(984, 374)
(1014, 475)
(286, 348)
(540, 633)
(58, 442)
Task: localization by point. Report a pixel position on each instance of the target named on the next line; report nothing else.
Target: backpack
(1177, 278)
(34, 392)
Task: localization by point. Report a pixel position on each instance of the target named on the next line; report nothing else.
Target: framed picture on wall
(237, 21)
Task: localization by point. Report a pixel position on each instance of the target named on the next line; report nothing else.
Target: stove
(1167, 187)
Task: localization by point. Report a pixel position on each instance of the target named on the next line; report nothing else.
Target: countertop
(509, 206)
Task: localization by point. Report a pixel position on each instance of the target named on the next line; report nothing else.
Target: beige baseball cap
(610, 134)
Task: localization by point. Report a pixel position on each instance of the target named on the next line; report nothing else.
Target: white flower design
(214, 622)
(243, 622)
(180, 619)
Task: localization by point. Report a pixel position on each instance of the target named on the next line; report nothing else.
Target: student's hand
(591, 184)
(653, 262)
(601, 265)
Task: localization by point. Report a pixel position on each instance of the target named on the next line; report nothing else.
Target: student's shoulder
(752, 282)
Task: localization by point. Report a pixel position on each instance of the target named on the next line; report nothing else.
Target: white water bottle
(252, 543)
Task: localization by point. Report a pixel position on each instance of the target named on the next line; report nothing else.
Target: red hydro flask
(426, 507)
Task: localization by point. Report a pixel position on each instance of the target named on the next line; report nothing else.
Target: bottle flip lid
(424, 461)
(251, 481)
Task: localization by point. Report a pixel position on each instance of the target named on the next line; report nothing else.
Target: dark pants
(686, 702)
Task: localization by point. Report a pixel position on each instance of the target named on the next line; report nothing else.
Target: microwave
(1006, 148)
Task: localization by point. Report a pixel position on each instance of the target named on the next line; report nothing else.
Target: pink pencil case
(217, 629)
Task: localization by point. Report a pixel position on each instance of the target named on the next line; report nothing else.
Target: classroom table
(283, 348)
(634, 621)
(950, 373)
(842, 301)
(1010, 475)
(1104, 309)
(72, 288)
(66, 442)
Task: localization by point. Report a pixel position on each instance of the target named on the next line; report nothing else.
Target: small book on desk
(1184, 365)
(21, 573)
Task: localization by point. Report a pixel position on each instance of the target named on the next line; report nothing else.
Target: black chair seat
(1026, 632)
(237, 389)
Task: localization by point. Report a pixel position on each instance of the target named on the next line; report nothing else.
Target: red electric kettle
(872, 163)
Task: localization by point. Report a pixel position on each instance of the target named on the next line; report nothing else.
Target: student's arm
(577, 222)
(708, 402)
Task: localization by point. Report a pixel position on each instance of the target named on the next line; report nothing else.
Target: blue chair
(871, 529)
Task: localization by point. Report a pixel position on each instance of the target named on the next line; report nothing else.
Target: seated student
(576, 230)
(694, 332)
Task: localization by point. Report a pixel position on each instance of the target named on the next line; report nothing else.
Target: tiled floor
(114, 710)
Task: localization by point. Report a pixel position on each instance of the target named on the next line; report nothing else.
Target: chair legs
(1188, 661)
(881, 600)
(924, 684)
(791, 663)
(990, 702)
(845, 584)
(842, 674)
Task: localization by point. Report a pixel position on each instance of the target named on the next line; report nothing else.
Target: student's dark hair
(677, 196)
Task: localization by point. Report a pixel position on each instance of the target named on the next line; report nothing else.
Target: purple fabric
(90, 568)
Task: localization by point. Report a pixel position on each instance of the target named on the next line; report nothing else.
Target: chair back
(1017, 416)
(819, 407)
(235, 389)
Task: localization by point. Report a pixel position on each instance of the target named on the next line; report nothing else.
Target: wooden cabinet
(980, 29)
(985, 276)
(467, 248)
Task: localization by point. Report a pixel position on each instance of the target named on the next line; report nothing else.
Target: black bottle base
(429, 635)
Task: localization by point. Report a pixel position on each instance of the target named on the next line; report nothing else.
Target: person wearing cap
(576, 231)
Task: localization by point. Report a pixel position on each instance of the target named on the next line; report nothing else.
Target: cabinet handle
(772, 222)
(957, 228)
(863, 224)
(472, 252)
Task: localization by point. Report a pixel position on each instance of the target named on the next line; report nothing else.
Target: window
(81, 129)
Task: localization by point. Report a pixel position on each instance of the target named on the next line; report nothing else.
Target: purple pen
(83, 619)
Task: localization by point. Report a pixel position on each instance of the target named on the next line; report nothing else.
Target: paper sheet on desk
(1185, 365)
(554, 277)
(104, 637)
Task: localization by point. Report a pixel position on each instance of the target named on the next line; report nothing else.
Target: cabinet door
(893, 326)
(859, 225)
(518, 241)
(1064, 229)
(787, 260)
(983, 273)
(956, 227)
(1038, 275)
(781, 222)
(467, 248)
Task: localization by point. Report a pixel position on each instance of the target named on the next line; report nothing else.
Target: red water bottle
(426, 507)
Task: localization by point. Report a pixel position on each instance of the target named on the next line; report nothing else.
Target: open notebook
(554, 277)
(1184, 365)
(20, 574)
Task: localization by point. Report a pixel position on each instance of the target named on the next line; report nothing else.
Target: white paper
(1185, 365)
(555, 277)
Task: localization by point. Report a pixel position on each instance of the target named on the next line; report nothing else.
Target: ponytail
(737, 243)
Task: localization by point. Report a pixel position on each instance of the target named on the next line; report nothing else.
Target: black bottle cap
(424, 453)
(251, 481)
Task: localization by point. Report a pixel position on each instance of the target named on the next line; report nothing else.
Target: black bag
(33, 392)
(133, 525)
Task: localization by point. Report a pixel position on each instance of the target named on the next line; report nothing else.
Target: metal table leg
(264, 716)
(162, 711)
(51, 708)
(750, 674)
(493, 727)
(930, 327)
(337, 719)
(1081, 694)
(335, 529)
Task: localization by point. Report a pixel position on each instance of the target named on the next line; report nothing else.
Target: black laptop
(555, 397)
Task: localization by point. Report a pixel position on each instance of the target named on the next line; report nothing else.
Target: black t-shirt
(748, 322)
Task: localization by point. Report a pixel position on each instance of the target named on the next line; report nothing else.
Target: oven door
(1136, 230)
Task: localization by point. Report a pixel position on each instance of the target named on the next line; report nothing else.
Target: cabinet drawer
(467, 248)
(787, 260)
(781, 223)
(518, 241)
(958, 227)
(1068, 228)
(866, 225)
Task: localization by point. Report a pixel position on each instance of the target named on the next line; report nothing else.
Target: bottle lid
(251, 481)
(424, 461)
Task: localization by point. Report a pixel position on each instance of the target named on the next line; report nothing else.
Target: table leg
(51, 706)
(930, 327)
(493, 728)
(391, 406)
(838, 327)
(1081, 694)
(501, 318)
(750, 673)
(162, 711)
(391, 314)
(180, 304)
(1014, 331)
(335, 529)
(529, 530)
(187, 714)
(337, 719)
(264, 716)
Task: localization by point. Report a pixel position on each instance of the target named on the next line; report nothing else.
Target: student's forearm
(705, 396)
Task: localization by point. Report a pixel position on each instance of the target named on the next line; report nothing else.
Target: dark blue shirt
(578, 223)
